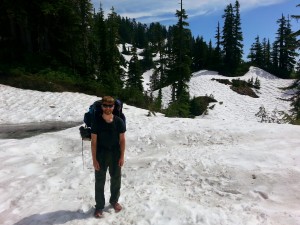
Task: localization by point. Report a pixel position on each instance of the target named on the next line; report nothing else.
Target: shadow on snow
(58, 217)
(19, 131)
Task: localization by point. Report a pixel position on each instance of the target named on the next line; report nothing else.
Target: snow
(232, 106)
(224, 168)
(129, 48)
(146, 79)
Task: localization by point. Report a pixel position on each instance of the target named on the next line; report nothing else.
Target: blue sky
(258, 17)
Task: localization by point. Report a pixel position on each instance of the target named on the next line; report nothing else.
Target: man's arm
(94, 150)
(122, 149)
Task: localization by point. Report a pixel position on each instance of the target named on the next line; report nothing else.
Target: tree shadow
(58, 217)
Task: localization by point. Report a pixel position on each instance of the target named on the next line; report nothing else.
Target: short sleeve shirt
(108, 134)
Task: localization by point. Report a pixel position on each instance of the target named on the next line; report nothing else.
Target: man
(108, 148)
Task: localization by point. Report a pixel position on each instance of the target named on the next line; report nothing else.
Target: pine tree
(100, 44)
(134, 84)
(147, 61)
(85, 11)
(135, 79)
(238, 35)
(112, 74)
(285, 43)
(291, 43)
(296, 98)
(262, 114)
(157, 35)
(210, 56)
(158, 101)
(217, 56)
(228, 39)
(52, 33)
(297, 33)
(275, 57)
(180, 74)
(199, 54)
(232, 38)
(256, 53)
(266, 48)
(180, 70)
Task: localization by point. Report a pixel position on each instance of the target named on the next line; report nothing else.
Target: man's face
(107, 108)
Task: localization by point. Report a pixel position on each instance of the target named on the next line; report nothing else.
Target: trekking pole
(82, 154)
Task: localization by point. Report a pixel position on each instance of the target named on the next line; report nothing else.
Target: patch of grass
(240, 86)
(49, 80)
(223, 81)
(244, 91)
(200, 104)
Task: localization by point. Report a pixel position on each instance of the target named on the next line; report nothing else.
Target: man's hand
(96, 165)
(121, 161)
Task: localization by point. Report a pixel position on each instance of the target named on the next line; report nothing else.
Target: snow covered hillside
(224, 168)
(233, 106)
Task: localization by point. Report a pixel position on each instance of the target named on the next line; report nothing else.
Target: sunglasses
(107, 106)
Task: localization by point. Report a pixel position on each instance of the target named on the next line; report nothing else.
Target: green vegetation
(200, 104)
(242, 87)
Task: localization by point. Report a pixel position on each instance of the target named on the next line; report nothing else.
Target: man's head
(108, 103)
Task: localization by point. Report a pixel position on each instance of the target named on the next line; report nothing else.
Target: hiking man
(108, 148)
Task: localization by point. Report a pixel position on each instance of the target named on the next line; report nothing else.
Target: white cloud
(158, 10)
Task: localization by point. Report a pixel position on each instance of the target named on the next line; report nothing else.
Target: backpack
(95, 109)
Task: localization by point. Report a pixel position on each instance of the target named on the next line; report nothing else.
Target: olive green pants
(107, 160)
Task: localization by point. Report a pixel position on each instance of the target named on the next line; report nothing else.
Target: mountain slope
(231, 105)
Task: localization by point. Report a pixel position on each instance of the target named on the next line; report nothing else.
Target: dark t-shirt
(108, 134)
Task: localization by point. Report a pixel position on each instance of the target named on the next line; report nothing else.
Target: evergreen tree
(126, 30)
(100, 44)
(147, 61)
(286, 52)
(140, 35)
(158, 101)
(296, 98)
(210, 56)
(157, 35)
(86, 18)
(291, 43)
(256, 53)
(180, 70)
(199, 54)
(228, 39)
(162, 62)
(232, 38)
(113, 73)
(217, 55)
(238, 35)
(135, 79)
(297, 33)
(50, 33)
(180, 74)
(275, 57)
(266, 48)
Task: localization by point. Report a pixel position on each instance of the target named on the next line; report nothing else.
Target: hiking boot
(117, 207)
(98, 213)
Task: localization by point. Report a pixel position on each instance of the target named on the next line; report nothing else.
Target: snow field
(224, 168)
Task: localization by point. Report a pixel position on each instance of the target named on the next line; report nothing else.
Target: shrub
(199, 104)
(242, 90)
(178, 109)
(222, 81)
